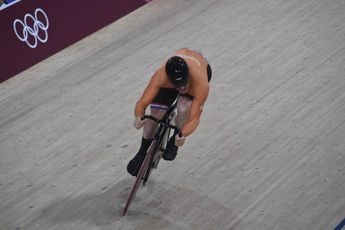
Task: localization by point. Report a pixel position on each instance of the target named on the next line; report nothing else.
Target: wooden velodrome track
(270, 150)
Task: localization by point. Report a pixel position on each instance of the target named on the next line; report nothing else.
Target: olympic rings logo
(27, 31)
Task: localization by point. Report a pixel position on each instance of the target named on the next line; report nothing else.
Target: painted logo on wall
(33, 29)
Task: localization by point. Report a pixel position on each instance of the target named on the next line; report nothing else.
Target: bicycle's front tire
(142, 171)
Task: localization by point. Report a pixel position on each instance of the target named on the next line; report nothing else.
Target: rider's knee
(149, 129)
(151, 126)
(158, 113)
(183, 106)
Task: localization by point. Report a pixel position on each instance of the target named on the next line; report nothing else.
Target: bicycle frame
(159, 146)
(155, 151)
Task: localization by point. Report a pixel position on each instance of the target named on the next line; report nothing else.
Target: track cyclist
(187, 73)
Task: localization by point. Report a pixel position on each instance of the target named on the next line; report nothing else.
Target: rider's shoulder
(159, 77)
(181, 50)
(188, 51)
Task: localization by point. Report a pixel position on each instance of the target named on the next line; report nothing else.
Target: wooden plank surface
(269, 153)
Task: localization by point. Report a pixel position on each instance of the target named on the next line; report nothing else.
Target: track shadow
(101, 208)
(174, 207)
(158, 206)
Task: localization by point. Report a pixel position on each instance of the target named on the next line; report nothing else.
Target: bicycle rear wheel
(143, 169)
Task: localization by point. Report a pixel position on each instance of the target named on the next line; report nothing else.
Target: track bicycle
(155, 151)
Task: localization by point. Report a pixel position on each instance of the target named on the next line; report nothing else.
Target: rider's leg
(151, 126)
(183, 107)
(148, 134)
(159, 105)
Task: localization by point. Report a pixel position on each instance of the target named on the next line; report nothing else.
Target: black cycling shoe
(135, 164)
(170, 151)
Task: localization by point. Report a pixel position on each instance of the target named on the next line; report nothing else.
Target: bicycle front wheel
(143, 169)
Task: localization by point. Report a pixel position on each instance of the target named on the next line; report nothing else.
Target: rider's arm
(148, 95)
(195, 114)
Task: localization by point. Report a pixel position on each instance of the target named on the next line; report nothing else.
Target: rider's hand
(138, 123)
(179, 141)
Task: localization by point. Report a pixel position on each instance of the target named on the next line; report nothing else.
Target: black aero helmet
(177, 71)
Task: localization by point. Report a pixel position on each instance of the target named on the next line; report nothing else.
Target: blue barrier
(341, 225)
(9, 1)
